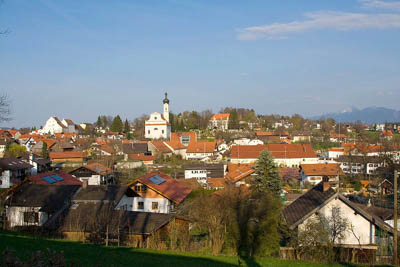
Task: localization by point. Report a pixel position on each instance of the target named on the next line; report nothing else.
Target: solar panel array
(52, 179)
(57, 178)
(49, 179)
(157, 179)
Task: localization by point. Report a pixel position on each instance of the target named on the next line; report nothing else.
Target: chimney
(84, 183)
(325, 183)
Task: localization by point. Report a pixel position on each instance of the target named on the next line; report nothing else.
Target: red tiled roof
(238, 172)
(99, 168)
(141, 157)
(68, 178)
(161, 147)
(269, 133)
(220, 116)
(387, 133)
(328, 169)
(201, 147)
(67, 155)
(216, 182)
(247, 152)
(107, 148)
(277, 151)
(176, 145)
(176, 136)
(171, 189)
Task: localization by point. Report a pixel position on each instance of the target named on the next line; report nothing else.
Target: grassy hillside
(92, 255)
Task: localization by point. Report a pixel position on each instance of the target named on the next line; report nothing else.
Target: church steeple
(166, 108)
(166, 100)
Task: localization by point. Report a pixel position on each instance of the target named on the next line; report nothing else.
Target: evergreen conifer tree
(99, 122)
(268, 178)
(116, 125)
(127, 129)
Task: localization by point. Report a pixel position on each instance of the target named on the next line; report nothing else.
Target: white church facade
(158, 126)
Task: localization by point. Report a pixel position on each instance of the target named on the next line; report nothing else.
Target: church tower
(166, 108)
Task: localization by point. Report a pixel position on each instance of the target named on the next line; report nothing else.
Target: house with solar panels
(154, 192)
(54, 178)
(30, 204)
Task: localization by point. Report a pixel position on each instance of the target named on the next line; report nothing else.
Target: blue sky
(79, 59)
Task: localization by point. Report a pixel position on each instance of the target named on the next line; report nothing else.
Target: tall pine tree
(127, 129)
(268, 178)
(116, 125)
(45, 152)
(99, 122)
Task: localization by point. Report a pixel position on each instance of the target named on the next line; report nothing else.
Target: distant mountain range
(368, 115)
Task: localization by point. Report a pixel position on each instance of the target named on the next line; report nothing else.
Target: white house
(35, 204)
(320, 201)
(219, 121)
(53, 125)
(154, 192)
(158, 126)
(13, 171)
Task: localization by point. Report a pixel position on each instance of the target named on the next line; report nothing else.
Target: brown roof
(110, 193)
(201, 147)
(59, 122)
(99, 168)
(80, 216)
(296, 212)
(141, 157)
(328, 169)
(68, 179)
(175, 145)
(107, 148)
(13, 164)
(67, 155)
(171, 189)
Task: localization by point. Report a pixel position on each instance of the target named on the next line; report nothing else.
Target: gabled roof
(170, 188)
(13, 164)
(135, 148)
(321, 169)
(307, 204)
(49, 198)
(247, 152)
(141, 157)
(67, 155)
(216, 182)
(161, 147)
(68, 179)
(312, 201)
(98, 168)
(80, 216)
(220, 116)
(176, 136)
(238, 172)
(59, 122)
(104, 193)
(201, 147)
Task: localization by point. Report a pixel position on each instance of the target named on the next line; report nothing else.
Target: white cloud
(322, 21)
(393, 5)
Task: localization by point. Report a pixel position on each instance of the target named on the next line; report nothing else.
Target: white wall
(15, 216)
(199, 175)
(51, 127)
(95, 179)
(5, 179)
(362, 228)
(131, 204)
(198, 155)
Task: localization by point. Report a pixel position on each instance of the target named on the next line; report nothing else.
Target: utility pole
(395, 252)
